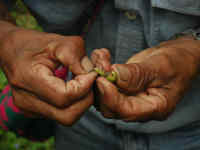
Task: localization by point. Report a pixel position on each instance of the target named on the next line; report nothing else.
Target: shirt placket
(130, 36)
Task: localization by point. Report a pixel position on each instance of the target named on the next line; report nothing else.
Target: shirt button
(131, 15)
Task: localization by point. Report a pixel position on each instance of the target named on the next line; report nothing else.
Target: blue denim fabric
(157, 21)
(92, 134)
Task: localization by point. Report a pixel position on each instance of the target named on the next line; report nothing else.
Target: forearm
(7, 24)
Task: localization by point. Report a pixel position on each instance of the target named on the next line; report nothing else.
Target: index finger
(55, 90)
(132, 108)
(66, 116)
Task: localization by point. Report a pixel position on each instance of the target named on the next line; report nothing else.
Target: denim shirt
(117, 29)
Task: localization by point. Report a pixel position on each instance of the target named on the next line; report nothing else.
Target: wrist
(186, 49)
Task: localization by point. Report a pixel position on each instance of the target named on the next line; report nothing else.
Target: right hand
(29, 59)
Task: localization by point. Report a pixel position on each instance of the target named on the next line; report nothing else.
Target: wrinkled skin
(151, 83)
(29, 59)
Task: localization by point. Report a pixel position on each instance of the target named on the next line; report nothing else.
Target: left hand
(151, 83)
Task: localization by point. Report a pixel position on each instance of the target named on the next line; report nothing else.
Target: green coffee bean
(100, 72)
(112, 76)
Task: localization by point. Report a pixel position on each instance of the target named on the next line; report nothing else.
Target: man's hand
(29, 59)
(151, 83)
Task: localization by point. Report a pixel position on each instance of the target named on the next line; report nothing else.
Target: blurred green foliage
(8, 140)
(3, 80)
(23, 17)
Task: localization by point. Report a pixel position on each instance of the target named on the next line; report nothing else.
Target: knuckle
(61, 49)
(73, 89)
(166, 66)
(155, 106)
(68, 121)
(76, 42)
(71, 92)
(51, 46)
(96, 53)
(102, 53)
(105, 53)
(69, 53)
(105, 50)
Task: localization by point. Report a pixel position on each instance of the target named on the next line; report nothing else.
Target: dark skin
(29, 59)
(151, 82)
(148, 87)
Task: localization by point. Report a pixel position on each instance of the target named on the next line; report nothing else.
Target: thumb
(133, 77)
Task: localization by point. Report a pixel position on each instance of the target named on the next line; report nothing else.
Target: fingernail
(87, 64)
(123, 72)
